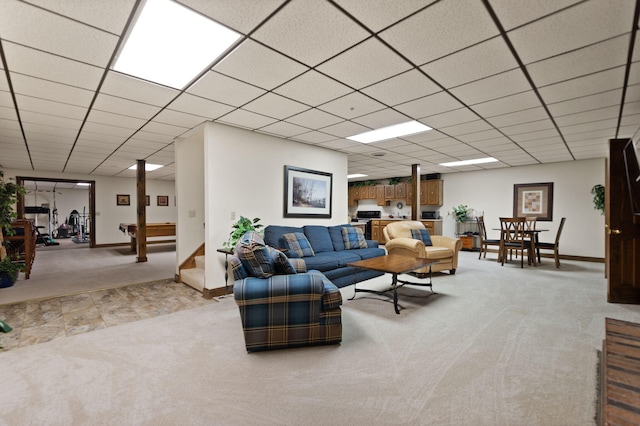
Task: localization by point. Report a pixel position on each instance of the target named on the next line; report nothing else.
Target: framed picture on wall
(147, 200)
(307, 193)
(163, 200)
(533, 200)
(123, 200)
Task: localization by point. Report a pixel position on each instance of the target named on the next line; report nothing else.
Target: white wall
(189, 166)
(108, 214)
(491, 192)
(244, 173)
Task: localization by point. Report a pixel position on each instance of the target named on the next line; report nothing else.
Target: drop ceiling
(526, 82)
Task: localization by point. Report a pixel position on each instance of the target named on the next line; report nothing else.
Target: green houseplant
(9, 193)
(461, 212)
(241, 227)
(598, 197)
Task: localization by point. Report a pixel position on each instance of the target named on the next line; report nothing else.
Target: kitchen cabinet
(431, 192)
(433, 226)
(381, 201)
(395, 192)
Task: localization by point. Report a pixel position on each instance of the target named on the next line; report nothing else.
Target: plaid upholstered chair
(281, 304)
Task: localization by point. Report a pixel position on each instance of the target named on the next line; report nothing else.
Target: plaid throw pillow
(353, 238)
(281, 263)
(256, 258)
(297, 245)
(422, 235)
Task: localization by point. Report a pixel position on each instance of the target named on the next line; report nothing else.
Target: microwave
(430, 215)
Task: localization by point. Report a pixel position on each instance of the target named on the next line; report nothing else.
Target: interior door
(622, 251)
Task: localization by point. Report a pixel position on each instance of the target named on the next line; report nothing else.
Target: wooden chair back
(511, 230)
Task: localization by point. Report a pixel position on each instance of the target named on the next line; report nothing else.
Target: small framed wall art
(533, 200)
(123, 200)
(163, 200)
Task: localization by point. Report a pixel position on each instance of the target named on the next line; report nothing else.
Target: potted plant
(598, 197)
(5, 328)
(9, 193)
(240, 228)
(461, 212)
(9, 271)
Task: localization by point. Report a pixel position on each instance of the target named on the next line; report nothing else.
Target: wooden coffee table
(394, 264)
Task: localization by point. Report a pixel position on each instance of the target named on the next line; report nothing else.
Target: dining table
(533, 235)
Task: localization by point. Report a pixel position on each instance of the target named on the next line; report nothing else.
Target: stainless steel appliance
(365, 216)
(430, 215)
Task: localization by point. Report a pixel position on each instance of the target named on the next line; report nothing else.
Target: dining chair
(512, 239)
(555, 245)
(484, 241)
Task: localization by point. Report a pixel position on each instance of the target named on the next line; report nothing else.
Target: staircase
(194, 277)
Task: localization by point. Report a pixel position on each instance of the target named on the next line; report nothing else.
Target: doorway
(81, 218)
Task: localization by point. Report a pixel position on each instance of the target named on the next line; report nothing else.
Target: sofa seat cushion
(322, 262)
(433, 252)
(369, 253)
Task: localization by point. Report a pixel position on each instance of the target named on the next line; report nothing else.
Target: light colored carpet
(496, 346)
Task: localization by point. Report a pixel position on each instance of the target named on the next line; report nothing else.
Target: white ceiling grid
(526, 82)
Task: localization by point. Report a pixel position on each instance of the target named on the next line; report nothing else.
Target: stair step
(193, 277)
(199, 261)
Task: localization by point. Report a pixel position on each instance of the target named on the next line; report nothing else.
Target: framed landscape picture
(533, 200)
(307, 193)
(123, 200)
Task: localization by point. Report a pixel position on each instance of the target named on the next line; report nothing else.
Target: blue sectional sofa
(330, 255)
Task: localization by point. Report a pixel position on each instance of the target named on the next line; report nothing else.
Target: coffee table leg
(394, 284)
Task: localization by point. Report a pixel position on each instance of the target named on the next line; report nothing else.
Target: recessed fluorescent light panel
(170, 44)
(389, 132)
(356, 175)
(469, 162)
(148, 167)
(83, 184)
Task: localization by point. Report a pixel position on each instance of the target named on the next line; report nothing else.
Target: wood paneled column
(415, 194)
(141, 230)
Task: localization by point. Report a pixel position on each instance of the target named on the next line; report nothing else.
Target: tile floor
(43, 320)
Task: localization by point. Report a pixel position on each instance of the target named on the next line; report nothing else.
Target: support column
(141, 229)
(415, 194)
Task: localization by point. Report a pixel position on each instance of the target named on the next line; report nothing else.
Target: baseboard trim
(129, 244)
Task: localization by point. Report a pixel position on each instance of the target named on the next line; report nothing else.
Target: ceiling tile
(476, 62)
(227, 90)
(246, 119)
(78, 41)
(472, 127)
(275, 106)
(314, 119)
(128, 107)
(519, 117)
(497, 86)
(379, 14)
(438, 27)
(180, 119)
(588, 116)
(274, 70)
(241, 15)
(311, 31)
(360, 65)
(508, 104)
(118, 120)
(513, 13)
(429, 105)
(38, 88)
(402, 88)
(160, 128)
(586, 23)
(127, 87)
(583, 86)
(109, 16)
(439, 121)
(50, 67)
(598, 57)
(283, 129)
(480, 136)
(385, 117)
(344, 129)
(586, 103)
(44, 106)
(50, 121)
(533, 126)
(313, 88)
(314, 137)
(352, 105)
(199, 106)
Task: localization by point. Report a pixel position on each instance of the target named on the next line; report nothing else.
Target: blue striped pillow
(297, 245)
(422, 235)
(353, 238)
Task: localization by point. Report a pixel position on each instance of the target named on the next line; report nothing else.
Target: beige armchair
(444, 249)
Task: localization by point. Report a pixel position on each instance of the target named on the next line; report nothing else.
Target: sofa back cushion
(297, 245)
(335, 232)
(257, 258)
(353, 238)
(319, 238)
(273, 234)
